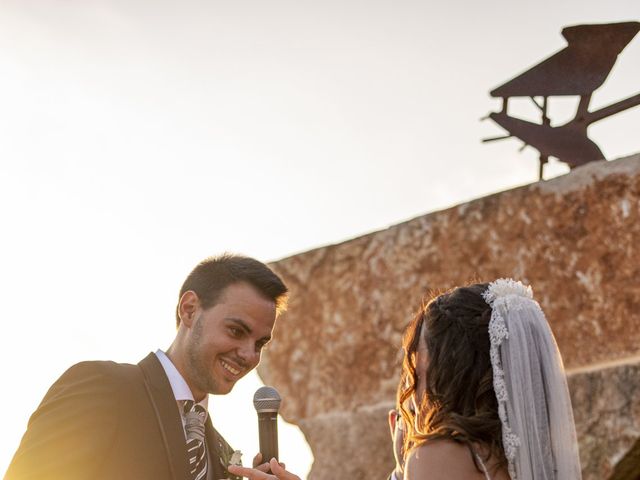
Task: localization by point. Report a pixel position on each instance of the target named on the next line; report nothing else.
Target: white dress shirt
(181, 390)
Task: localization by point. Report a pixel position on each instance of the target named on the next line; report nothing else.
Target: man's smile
(229, 368)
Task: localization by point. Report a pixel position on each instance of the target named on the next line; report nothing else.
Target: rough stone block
(575, 239)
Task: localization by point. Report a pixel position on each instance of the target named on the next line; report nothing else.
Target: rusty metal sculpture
(578, 69)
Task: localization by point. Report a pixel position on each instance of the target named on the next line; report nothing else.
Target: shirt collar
(181, 390)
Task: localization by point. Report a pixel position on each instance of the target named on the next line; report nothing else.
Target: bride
(483, 393)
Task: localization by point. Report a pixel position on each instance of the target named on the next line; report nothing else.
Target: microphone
(267, 400)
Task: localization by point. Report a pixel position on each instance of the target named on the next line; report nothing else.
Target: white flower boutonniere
(230, 457)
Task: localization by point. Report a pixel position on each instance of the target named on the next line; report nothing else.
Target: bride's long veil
(534, 404)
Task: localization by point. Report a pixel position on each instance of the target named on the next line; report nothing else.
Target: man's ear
(187, 307)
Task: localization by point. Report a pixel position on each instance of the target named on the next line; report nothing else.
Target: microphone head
(266, 399)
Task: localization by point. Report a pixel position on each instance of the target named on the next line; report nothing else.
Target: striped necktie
(194, 416)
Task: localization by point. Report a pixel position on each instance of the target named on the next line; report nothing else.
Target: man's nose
(248, 354)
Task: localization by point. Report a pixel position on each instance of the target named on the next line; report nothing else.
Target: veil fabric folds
(538, 431)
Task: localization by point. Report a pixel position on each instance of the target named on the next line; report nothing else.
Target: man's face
(225, 341)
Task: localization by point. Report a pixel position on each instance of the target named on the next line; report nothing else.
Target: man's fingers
(257, 474)
(250, 473)
(257, 460)
(280, 472)
(263, 467)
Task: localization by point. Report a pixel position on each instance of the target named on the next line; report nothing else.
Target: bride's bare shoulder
(440, 460)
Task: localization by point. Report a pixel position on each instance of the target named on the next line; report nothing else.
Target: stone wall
(575, 239)
(607, 413)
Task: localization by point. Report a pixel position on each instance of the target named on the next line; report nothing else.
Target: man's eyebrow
(240, 323)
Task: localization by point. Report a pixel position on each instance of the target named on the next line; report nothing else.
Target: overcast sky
(138, 137)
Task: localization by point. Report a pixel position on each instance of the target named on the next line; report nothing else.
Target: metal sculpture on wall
(578, 69)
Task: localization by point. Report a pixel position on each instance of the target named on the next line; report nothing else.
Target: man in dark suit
(103, 420)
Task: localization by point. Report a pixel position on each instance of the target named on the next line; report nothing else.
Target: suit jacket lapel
(214, 447)
(167, 415)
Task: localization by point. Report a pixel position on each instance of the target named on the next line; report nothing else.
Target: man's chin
(223, 391)
(222, 388)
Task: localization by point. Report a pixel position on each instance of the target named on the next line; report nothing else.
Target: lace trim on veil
(512, 295)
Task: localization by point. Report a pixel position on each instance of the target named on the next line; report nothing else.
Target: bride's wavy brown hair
(459, 403)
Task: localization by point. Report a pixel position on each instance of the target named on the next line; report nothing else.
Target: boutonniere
(230, 457)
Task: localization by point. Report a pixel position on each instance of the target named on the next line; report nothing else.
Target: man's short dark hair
(211, 276)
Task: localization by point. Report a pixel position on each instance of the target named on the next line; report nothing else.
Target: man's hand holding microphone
(266, 401)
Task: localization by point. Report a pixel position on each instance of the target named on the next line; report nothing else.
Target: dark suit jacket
(104, 420)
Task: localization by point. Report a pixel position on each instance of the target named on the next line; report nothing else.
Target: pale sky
(138, 137)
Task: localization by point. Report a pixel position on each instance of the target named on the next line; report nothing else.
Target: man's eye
(235, 331)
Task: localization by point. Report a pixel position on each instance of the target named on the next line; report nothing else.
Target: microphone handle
(268, 431)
